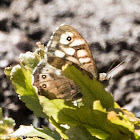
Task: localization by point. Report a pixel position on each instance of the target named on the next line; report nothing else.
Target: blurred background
(111, 28)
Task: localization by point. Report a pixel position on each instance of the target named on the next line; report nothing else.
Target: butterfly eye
(69, 38)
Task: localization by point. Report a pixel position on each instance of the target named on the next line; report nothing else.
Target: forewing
(67, 46)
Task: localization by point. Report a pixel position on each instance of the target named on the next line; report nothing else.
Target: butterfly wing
(52, 84)
(67, 46)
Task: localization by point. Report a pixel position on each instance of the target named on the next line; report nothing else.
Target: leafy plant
(6, 126)
(99, 117)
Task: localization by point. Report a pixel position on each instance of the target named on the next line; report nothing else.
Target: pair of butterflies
(66, 46)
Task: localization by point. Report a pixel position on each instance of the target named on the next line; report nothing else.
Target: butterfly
(66, 46)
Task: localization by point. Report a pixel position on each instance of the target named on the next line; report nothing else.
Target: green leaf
(79, 133)
(97, 106)
(51, 133)
(22, 80)
(6, 126)
(31, 60)
(117, 117)
(21, 77)
(98, 133)
(53, 107)
(1, 114)
(30, 131)
(91, 89)
(65, 113)
(7, 71)
(61, 130)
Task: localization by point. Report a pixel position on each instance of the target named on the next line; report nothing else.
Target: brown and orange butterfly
(66, 46)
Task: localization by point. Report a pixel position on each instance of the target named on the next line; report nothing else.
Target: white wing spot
(84, 60)
(69, 34)
(82, 53)
(69, 51)
(72, 59)
(63, 38)
(59, 53)
(77, 42)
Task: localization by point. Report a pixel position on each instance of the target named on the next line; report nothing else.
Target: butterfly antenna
(117, 69)
(110, 68)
